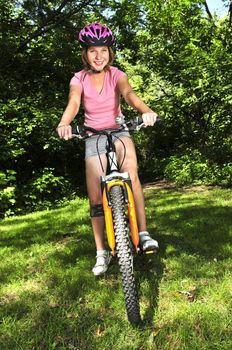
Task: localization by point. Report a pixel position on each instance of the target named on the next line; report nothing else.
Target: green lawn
(49, 298)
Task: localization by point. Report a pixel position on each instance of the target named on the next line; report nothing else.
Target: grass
(49, 298)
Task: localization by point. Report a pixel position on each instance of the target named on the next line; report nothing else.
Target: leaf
(99, 331)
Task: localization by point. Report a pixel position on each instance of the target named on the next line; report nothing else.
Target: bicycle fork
(123, 180)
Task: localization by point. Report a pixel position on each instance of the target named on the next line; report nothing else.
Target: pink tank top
(102, 108)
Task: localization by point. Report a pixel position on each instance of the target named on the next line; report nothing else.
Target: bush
(7, 193)
(44, 190)
(192, 168)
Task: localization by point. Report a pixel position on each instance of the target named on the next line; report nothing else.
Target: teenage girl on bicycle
(99, 87)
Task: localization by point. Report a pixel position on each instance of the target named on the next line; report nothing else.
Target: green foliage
(44, 190)
(178, 59)
(193, 168)
(191, 54)
(7, 192)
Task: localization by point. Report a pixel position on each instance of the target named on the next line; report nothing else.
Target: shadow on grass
(187, 228)
(70, 310)
(149, 272)
(194, 230)
(41, 227)
(201, 230)
(192, 224)
(67, 323)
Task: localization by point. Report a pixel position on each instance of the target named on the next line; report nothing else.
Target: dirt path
(167, 185)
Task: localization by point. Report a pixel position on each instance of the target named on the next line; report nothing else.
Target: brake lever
(79, 132)
(142, 125)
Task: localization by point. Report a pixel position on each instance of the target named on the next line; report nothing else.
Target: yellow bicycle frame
(109, 217)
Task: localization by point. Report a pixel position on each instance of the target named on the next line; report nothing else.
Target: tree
(177, 54)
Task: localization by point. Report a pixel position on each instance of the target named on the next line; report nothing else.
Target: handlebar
(83, 132)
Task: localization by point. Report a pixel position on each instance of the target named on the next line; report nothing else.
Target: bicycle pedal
(150, 251)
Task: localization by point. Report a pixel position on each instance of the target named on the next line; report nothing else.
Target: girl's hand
(64, 131)
(149, 118)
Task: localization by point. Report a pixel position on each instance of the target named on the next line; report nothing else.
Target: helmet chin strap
(94, 71)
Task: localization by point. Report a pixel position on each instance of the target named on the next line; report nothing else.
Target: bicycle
(118, 204)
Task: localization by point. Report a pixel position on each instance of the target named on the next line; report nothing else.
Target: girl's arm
(148, 115)
(64, 129)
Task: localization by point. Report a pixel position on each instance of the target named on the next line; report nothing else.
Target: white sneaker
(147, 243)
(102, 263)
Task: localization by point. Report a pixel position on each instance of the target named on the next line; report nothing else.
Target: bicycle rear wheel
(124, 255)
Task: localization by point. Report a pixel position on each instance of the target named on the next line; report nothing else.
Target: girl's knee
(95, 199)
(134, 178)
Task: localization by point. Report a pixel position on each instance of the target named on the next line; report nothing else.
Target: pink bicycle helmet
(96, 34)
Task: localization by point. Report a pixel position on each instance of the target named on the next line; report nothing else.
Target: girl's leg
(93, 173)
(130, 165)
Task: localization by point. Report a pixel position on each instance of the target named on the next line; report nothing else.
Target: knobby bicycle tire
(124, 255)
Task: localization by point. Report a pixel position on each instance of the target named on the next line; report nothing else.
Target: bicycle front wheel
(124, 255)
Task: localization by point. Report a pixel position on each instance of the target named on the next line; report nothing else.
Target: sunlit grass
(49, 298)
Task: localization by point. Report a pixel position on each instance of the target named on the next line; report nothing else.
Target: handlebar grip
(139, 120)
(78, 130)
(159, 119)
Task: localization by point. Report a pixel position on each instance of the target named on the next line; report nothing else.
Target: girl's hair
(86, 64)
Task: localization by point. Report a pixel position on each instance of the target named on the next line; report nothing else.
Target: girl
(99, 87)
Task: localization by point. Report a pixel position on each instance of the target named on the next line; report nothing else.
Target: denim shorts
(96, 144)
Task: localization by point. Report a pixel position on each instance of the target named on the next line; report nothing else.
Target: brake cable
(124, 148)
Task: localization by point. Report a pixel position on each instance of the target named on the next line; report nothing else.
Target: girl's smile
(98, 57)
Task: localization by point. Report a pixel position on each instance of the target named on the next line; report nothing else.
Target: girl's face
(98, 57)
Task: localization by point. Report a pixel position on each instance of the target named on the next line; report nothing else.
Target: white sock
(101, 252)
(143, 233)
